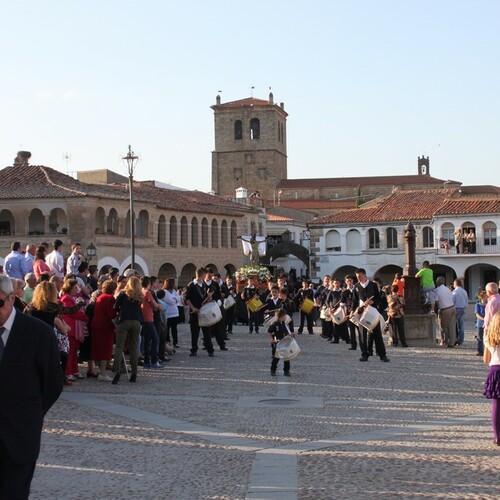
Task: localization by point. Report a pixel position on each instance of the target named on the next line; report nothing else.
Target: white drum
(339, 316)
(370, 318)
(287, 348)
(324, 313)
(270, 320)
(229, 301)
(210, 314)
(356, 317)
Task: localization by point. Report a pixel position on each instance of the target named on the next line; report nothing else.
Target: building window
(490, 233)
(143, 224)
(373, 238)
(194, 232)
(332, 241)
(392, 238)
(173, 231)
(428, 236)
(162, 231)
(447, 235)
(224, 234)
(234, 235)
(184, 232)
(238, 130)
(36, 222)
(215, 234)
(279, 131)
(100, 218)
(112, 227)
(204, 233)
(353, 241)
(254, 129)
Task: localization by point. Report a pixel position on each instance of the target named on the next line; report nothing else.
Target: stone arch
(478, 275)
(58, 221)
(167, 270)
(230, 269)
(386, 273)
(113, 221)
(142, 229)
(107, 261)
(7, 223)
(214, 268)
(184, 232)
(343, 271)
(141, 265)
(289, 247)
(194, 232)
(36, 222)
(187, 274)
(100, 221)
(234, 235)
(162, 231)
(443, 270)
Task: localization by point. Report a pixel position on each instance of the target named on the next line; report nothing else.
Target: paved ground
(223, 428)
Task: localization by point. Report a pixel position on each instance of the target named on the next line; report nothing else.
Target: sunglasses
(2, 301)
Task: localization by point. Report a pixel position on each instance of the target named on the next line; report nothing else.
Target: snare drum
(229, 302)
(370, 318)
(356, 317)
(254, 304)
(339, 316)
(210, 314)
(287, 348)
(307, 306)
(270, 320)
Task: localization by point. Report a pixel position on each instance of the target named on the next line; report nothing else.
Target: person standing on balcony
(458, 238)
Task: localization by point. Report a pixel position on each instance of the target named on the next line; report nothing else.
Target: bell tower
(250, 146)
(423, 166)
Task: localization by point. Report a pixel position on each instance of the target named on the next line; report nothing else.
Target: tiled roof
(399, 206)
(389, 180)
(278, 218)
(39, 182)
(318, 204)
(485, 189)
(470, 206)
(249, 101)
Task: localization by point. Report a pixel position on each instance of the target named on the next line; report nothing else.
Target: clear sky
(369, 85)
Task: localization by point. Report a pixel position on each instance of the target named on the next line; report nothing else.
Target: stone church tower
(250, 146)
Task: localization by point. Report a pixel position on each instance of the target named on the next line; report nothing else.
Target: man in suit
(366, 293)
(30, 383)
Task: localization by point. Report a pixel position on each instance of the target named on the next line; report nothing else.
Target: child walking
(492, 384)
(277, 331)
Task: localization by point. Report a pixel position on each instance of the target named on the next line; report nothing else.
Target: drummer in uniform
(278, 331)
(213, 289)
(335, 299)
(196, 295)
(320, 298)
(248, 293)
(227, 289)
(305, 293)
(366, 293)
(273, 302)
(347, 302)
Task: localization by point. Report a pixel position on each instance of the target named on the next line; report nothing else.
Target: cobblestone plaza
(223, 428)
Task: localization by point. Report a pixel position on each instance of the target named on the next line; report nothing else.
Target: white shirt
(495, 354)
(444, 297)
(460, 298)
(8, 326)
(56, 263)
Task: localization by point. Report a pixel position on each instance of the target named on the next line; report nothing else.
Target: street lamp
(91, 251)
(131, 160)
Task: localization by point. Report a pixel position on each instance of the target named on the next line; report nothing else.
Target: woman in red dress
(103, 329)
(70, 291)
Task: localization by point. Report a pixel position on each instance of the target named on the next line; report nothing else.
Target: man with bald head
(29, 257)
(493, 304)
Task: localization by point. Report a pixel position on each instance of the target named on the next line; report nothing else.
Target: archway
(187, 275)
(230, 269)
(213, 267)
(289, 248)
(105, 262)
(447, 272)
(478, 275)
(140, 265)
(7, 223)
(343, 271)
(166, 271)
(386, 273)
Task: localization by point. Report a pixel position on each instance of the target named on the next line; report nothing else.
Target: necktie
(2, 345)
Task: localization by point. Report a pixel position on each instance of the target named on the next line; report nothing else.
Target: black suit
(196, 295)
(364, 293)
(30, 383)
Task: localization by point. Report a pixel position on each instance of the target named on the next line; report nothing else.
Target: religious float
(259, 274)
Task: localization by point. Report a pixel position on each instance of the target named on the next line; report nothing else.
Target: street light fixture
(91, 251)
(131, 160)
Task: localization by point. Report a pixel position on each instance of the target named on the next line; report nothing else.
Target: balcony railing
(480, 248)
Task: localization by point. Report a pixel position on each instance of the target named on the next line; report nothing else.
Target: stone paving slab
(417, 427)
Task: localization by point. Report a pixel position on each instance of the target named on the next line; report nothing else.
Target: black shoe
(256, 331)
(92, 375)
(140, 362)
(224, 349)
(287, 374)
(250, 332)
(210, 354)
(404, 345)
(116, 378)
(300, 333)
(192, 354)
(385, 359)
(176, 346)
(311, 333)
(351, 349)
(478, 354)
(273, 373)
(335, 341)
(133, 377)
(363, 358)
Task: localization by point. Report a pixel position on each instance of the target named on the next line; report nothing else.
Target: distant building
(176, 230)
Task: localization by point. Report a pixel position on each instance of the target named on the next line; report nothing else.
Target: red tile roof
(389, 180)
(39, 182)
(249, 101)
(278, 218)
(476, 206)
(399, 206)
(316, 204)
(484, 189)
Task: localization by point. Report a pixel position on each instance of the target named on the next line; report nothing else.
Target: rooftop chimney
(22, 158)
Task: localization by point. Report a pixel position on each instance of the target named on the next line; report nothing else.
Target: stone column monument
(420, 326)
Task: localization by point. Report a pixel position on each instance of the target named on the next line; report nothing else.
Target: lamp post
(131, 160)
(91, 252)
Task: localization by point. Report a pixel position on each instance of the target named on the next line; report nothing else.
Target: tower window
(254, 129)
(238, 130)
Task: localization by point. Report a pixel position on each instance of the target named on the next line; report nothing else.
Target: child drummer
(277, 331)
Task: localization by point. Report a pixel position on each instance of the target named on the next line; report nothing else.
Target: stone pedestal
(420, 330)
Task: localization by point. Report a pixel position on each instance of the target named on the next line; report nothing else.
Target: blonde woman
(128, 328)
(492, 384)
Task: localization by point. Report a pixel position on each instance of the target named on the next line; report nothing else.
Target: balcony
(480, 249)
